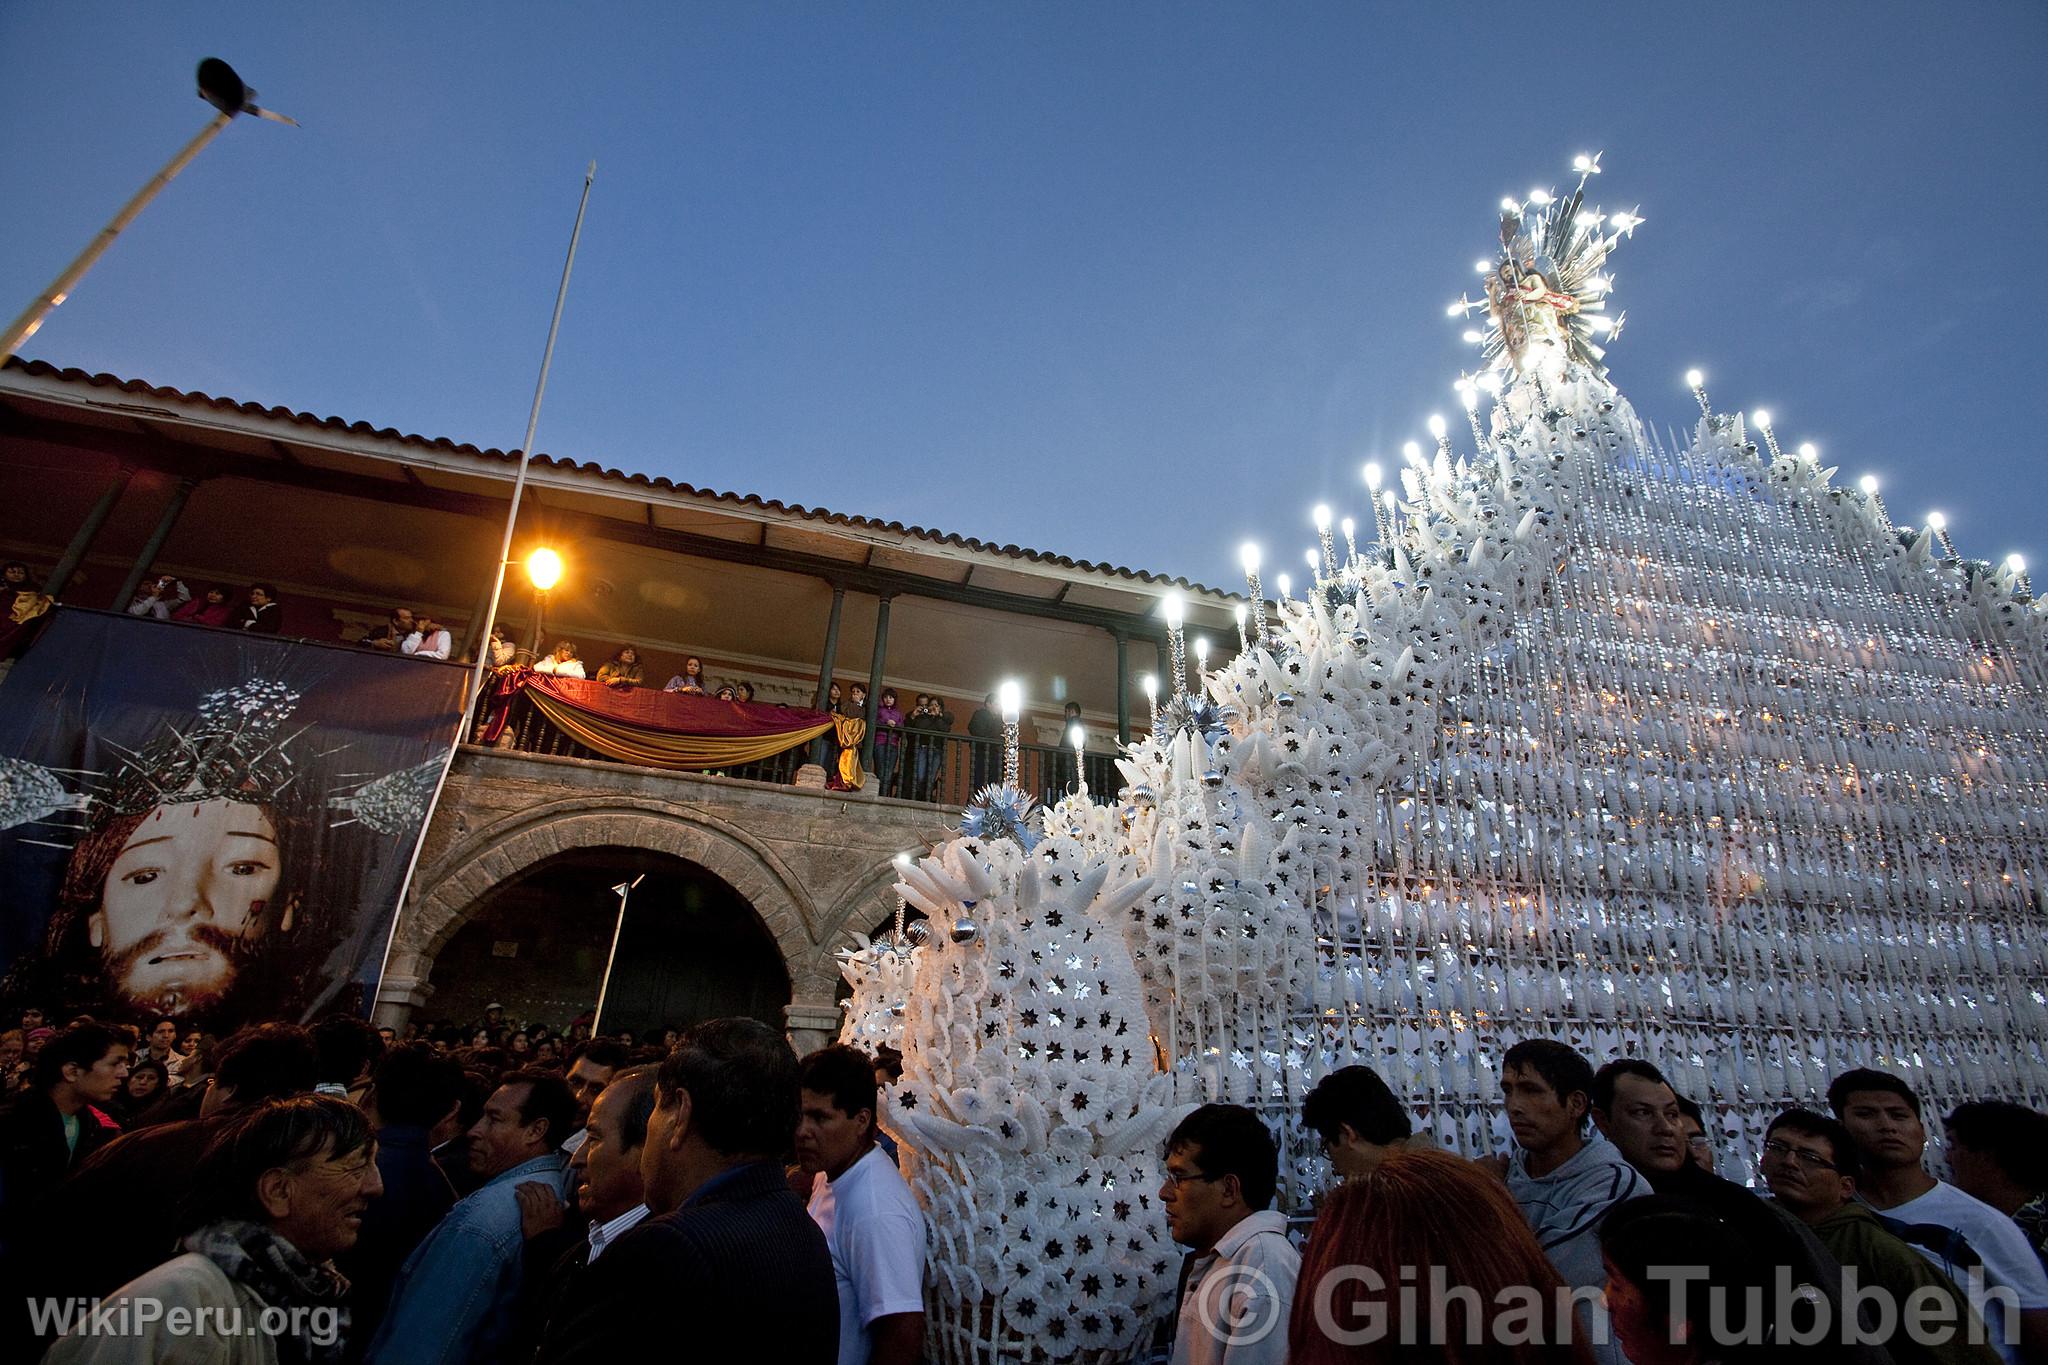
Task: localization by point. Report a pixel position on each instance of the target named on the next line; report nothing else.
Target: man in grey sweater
(1564, 1178)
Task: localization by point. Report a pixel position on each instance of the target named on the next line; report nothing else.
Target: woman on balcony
(888, 742)
(691, 680)
(563, 663)
(622, 669)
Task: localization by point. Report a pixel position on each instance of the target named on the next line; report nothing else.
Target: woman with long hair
(622, 669)
(691, 680)
(1393, 1255)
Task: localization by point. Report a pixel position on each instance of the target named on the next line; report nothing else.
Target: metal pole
(60, 288)
(624, 889)
(155, 543)
(74, 553)
(476, 679)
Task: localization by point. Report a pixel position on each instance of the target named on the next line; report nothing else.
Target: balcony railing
(930, 768)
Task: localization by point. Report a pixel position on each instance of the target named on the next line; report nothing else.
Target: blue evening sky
(1126, 281)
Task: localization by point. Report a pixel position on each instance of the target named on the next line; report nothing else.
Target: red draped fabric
(654, 729)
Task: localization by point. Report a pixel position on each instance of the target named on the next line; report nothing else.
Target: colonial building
(751, 882)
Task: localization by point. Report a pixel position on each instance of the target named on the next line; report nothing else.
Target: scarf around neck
(256, 1257)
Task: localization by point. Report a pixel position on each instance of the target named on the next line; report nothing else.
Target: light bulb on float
(1150, 685)
(1373, 476)
(1350, 530)
(1809, 452)
(1938, 524)
(1468, 394)
(1175, 609)
(1761, 418)
(1010, 702)
(1440, 429)
(1078, 737)
(1320, 515)
(1697, 381)
(1248, 555)
(1286, 587)
(1238, 614)
(1201, 648)
(1411, 451)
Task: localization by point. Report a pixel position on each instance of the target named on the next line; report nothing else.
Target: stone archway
(458, 882)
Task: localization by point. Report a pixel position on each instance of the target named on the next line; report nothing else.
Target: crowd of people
(499, 1194)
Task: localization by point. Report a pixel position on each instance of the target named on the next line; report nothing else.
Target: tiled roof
(194, 398)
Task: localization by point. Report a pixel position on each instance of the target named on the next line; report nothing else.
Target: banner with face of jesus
(207, 824)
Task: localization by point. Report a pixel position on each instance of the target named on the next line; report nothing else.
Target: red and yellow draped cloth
(653, 729)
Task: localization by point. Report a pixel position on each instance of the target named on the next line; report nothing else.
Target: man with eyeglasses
(1238, 1282)
(1811, 1166)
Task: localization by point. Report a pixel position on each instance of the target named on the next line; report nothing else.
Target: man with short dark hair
(1692, 1126)
(1636, 1108)
(1998, 1152)
(1810, 1164)
(262, 613)
(871, 1221)
(736, 1267)
(428, 640)
(387, 637)
(161, 1039)
(1563, 1181)
(58, 1120)
(416, 1097)
(609, 1190)
(597, 1062)
(1358, 1119)
(279, 1193)
(1882, 1116)
(456, 1296)
(121, 1212)
(1221, 1171)
(348, 1049)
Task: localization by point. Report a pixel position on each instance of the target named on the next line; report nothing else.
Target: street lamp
(220, 87)
(544, 569)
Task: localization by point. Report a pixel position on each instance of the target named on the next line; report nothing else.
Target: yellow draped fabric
(656, 749)
(850, 731)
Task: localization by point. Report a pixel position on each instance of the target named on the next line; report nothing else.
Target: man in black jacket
(59, 1119)
(730, 1267)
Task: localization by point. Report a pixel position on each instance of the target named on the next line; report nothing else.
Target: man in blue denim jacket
(453, 1301)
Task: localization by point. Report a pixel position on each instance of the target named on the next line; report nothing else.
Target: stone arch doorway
(691, 947)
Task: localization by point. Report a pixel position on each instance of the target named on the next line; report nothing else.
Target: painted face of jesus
(189, 893)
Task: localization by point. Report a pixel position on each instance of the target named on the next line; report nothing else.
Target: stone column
(74, 553)
(812, 1024)
(875, 665)
(831, 647)
(404, 988)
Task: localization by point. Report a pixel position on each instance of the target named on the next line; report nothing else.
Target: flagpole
(467, 702)
(624, 889)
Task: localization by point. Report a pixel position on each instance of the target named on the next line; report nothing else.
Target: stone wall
(814, 865)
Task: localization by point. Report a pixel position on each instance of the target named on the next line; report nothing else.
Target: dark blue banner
(203, 823)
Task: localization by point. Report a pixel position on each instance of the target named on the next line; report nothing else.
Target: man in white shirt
(429, 640)
(871, 1222)
(159, 597)
(1238, 1283)
(1882, 1114)
(609, 1191)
